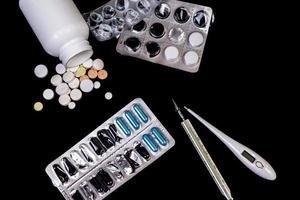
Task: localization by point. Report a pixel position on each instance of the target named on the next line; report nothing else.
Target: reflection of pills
(38, 106)
(200, 19)
(60, 68)
(98, 64)
(84, 77)
(88, 64)
(92, 74)
(80, 71)
(41, 71)
(153, 49)
(139, 27)
(102, 74)
(181, 15)
(74, 83)
(56, 80)
(71, 105)
(64, 100)
(48, 94)
(97, 84)
(171, 53)
(132, 44)
(86, 85)
(163, 11)
(62, 89)
(157, 30)
(191, 58)
(68, 76)
(196, 39)
(108, 95)
(177, 35)
(76, 95)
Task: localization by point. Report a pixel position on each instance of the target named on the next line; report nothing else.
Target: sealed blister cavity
(123, 126)
(176, 31)
(107, 157)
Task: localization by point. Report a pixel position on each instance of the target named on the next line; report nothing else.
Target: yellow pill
(38, 106)
(80, 72)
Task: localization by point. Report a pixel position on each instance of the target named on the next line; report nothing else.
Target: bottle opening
(79, 58)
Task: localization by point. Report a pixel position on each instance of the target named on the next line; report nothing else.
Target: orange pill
(84, 77)
(102, 74)
(92, 74)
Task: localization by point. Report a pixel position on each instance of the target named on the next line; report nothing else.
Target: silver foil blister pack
(111, 155)
(174, 35)
(109, 20)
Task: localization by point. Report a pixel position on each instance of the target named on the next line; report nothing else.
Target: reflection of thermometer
(251, 159)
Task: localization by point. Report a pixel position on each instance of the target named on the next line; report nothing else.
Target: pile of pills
(71, 83)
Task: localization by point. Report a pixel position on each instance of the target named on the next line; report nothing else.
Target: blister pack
(111, 155)
(109, 20)
(173, 35)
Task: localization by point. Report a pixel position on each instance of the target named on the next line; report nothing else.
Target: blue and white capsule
(159, 136)
(140, 112)
(123, 126)
(150, 142)
(133, 121)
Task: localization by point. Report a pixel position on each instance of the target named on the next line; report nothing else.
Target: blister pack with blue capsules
(111, 155)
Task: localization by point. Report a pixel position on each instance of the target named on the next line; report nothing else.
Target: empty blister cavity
(103, 32)
(132, 17)
(196, 39)
(88, 155)
(78, 160)
(60, 173)
(141, 113)
(88, 192)
(115, 171)
(69, 167)
(157, 30)
(94, 20)
(122, 5)
(77, 196)
(97, 146)
(144, 6)
(123, 126)
(177, 35)
(159, 136)
(118, 24)
(131, 118)
(150, 143)
(104, 136)
(152, 49)
(140, 27)
(124, 164)
(142, 151)
(162, 11)
(132, 44)
(190, 58)
(114, 133)
(133, 158)
(108, 12)
(200, 19)
(181, 15)
(171, 53)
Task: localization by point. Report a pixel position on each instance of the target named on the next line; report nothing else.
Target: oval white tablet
(191, 58)
(62, 89)
(88, 64)
(74, 83)
(60, 68)
(68, 76)
(196, 39)
(71, 105)
(86, 85)
(48, 94)
(108, 95)
(97, 84)
(41, 71)
(76, 95)
(171, 53)
(56, 80)
(98, 64)
(64, 100)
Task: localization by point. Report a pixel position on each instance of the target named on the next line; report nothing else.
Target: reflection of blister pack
(111, 155)
(109, 20)
(174, 35)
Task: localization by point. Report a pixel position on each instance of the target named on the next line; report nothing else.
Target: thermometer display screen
(248, 156)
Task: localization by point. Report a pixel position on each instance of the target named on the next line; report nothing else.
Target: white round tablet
(41, 71)
(71, 105)
(73, 69)
(171, 53)
(76, 95)
(196, 39)
(191, 58)
(64, 100)
(62, 89)
(86, 85)
(98, 64)
(56, 80)
(74, 83)
(68, 76)
(108, 95)
(97, 84)
(88, 64)
(48, 94)
(60, 68)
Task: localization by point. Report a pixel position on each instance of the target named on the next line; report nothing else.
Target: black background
(235, 89)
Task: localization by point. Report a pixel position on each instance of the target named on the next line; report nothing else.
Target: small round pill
(48, 94)
(80, 71)
(41, 71)
(38, 106)
(76, 95)
(171, 53)
(86, 85)
(108, 95)
(62, 89)
(68, 76)
(56, 80)
(64, 100)
(97, 84)
(74, 83)
(88, 64)
(60, 68)
(92, 73)
(102, 74)
(84, 77)
(191, 58)
(71, 105)
(98, 64)
(196, 39)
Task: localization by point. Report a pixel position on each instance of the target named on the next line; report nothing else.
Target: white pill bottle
(60, 28)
